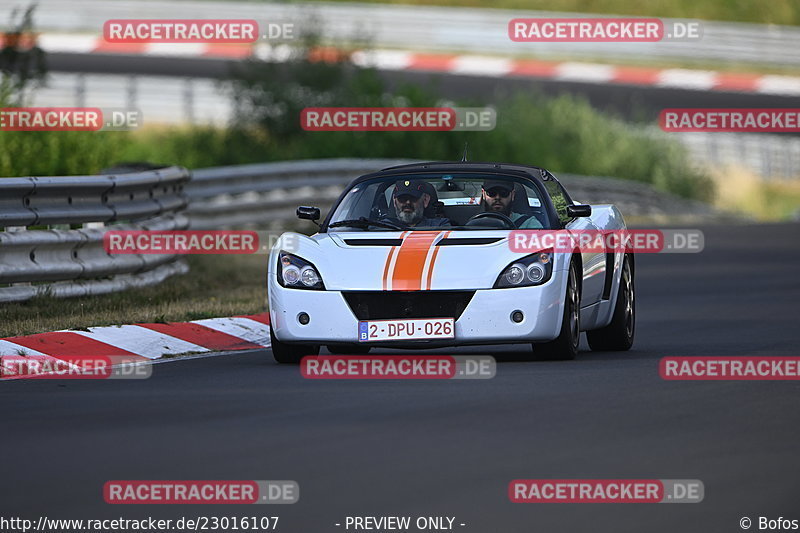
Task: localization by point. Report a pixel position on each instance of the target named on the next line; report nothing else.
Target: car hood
(418, 260)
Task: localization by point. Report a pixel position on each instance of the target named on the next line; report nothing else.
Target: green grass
(46, 153)
(741, 191)
(768, 12)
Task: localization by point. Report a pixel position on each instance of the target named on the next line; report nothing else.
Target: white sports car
(419, 256)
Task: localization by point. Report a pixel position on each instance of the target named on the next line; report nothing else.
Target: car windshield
(433, 201)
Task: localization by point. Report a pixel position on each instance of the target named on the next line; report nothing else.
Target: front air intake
(380, 305)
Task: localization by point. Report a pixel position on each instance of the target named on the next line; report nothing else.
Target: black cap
(488, 185)
(413, 188)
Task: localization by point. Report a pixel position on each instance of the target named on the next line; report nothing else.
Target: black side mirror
(575, 211)
(308, 213)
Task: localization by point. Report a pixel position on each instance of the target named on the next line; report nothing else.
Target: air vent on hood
(453, 241)
(466, 241)
(373, 242)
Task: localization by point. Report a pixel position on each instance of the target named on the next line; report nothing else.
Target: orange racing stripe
(411, 259)
(433, 262)
(392, 253)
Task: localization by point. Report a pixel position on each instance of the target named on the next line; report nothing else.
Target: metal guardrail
(82, 199)
(771, 157)
(39, 256)
(255, 195)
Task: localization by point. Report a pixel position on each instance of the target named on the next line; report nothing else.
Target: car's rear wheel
(348, 349)
(290, 354)
(565, 346)
(618, 335)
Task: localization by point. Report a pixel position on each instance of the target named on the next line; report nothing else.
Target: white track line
(588, 72)
(482, 66)
(10, 348)
(779, 85)
(687, 79)
(244, 328)
(176, 49)
(141, 341)
(76, 44)
(383, 59)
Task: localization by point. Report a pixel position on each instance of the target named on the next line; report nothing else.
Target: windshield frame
(525, 178)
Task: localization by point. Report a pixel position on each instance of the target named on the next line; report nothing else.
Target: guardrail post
(132, 92)
(80, 90)
(188, 100)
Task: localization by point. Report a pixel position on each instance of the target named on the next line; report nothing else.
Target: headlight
(309, 276)
(536, 273)
(296, 273)
(533, 269)
(515, 274)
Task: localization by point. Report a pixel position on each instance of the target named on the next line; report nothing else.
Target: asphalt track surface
(628, 101)
(450, 448)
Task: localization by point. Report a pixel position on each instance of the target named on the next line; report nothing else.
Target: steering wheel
(493, 215)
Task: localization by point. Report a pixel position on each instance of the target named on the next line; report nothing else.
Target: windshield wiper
(363, 222)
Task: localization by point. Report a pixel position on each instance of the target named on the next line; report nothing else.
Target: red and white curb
(490, 66)
(146, 341)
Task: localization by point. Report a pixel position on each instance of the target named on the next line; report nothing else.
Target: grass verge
(766, 201)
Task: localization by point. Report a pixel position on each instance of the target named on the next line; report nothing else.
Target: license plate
(409, 329)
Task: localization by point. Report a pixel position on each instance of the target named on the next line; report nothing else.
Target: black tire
(348, 349)
(618, 335)
(290, 354)
(565, 346)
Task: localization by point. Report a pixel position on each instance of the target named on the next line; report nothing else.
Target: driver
(498, 196)
(410, 200)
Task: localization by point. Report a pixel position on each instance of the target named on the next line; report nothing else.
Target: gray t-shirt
(531, 223)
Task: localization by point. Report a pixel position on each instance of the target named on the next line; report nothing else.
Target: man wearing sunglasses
(498, 196)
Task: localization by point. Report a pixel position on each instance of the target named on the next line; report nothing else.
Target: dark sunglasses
(403, 198)
(502, 193)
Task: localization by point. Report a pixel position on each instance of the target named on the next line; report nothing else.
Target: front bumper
(485, 320)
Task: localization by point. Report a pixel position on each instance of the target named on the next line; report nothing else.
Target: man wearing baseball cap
(498, 195)
(410, 200)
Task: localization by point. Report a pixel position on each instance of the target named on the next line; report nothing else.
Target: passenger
(498, 195)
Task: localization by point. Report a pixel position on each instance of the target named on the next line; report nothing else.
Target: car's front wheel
(618, 335)
(565, 346)
(290, 353)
